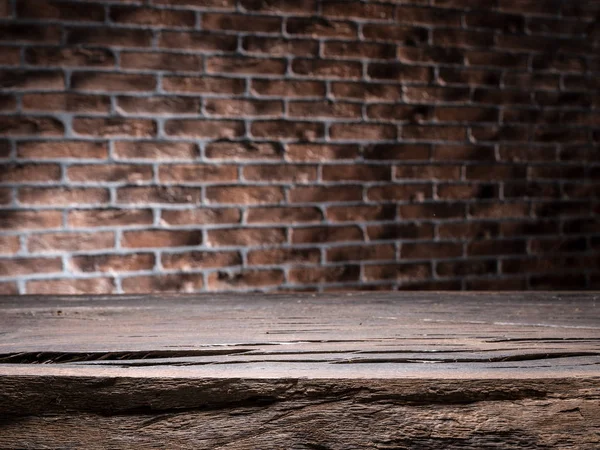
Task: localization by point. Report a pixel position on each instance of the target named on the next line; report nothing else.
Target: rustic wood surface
(345, 371)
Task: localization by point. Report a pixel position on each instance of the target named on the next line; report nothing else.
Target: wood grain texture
(385, 371)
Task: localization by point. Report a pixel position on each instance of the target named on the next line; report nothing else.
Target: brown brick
(30, 126)
(320, 275)
(5, 8)
(395, 112)
(326, 234)
(497, 59)
(321, 152)
(9, 245)
(152, 17)
(203, 85)
(280, 173)
(447, 285)
(200, 216)
(195, 173)
(366, 91)
(361, 131)
(194, 128)
(359, 10)
(495, 211)
(556, 245)
(52, 242)
(114, 126)
(63, 196)
(235, 65)
(507, 23)
(362, 253)
(307, 131)
(434, 133)
(246, 195)
(322, 68)
(202, 4)
(397, 272)
(395, 33)
(468, 230)
(406, 152)
(428, 16)
(8, 288)
(62, 150)
(319, 194)
(468, 191)
(235, 108)
(319, 27)
(356, 172)
(496, 172)
(284, 215)
(431, 250)
(246, 279)
(504, 284)
(288, 88)
(561, 208)
(284, 256)
(189, 282)
(537, 227)
(158, 105)
(428, 172)
(8, 103)
(436, 94)
(359, 50)
(244, 150)
(29, 220)
(155, 150)
(110, 173)
(66, 102)
(362, 213)
(573, 281)
(466, 114)
(400, 230)
(69, 57)
(24, 266)
(246, 237)
(475, 77)
(6, 196)
(197, 40)
(113, 263)
(161, 61)
(432, 211)
(200, 260)
(113, 82)
(17, 33)
(109, 36)
(505, 133)
(399, 72)
(71, 286)
(160, 238)
(501, 97)
(399, 192)
(28, 173)
(532, 81)
(159, 194)
(239, 22)
(487, 247)
(324, 109)
(443, 153)
(280, 46)
(531, 189)
(48, 9)
(279, 6)
(466, 268)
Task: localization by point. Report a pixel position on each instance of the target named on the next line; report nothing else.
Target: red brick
(288, 88)
(25, 266)
(113, 263)
(507, 23)
(66, 102)
(280, 46)
(200, 260)
(279, 6)
(17, 33)
(52, 242)
(194, 128)
(322, 68)
(9, 245)
(395, 112)
(161, 61)
(244, 151)
(497, 59)
(29, 220)
(496, 211)
(362, 253)
(284, 215)
(326, 234)
(234, 65)
(320, 275)
(246, 279)
(405, 152)
(432, 211)
(246, 237)
(356, 172)
(399, 192)
(359, 50)
(466, 114)
(29, 173)
(558, 245)
(466, 268)
(487, 247)
(324, 109)
(189, 282)
(430, 55)
(284, 256)
(109, 36)
(69, 57)
(160, 238)
(113, 82)
(114, 126)
(565, 99)
(280, 173)
(31, 80)
(307, 131)
(158, 105)
(468, 230)
(6, 196)
(496, 172)
(362, 213)
(399, 72)
(361, 131)
(48, 9)
(512, 229)
(443, 152)
(156, 150)
(200, 216)
(366, 91)
(532, 81)
(197, 40)
(8, 288)
(240, 22)
(401, 230)
(434, 133)
(71, 286)
(431, 250)
(246, 195)
(428, 16)
(319, 194)
(245, 108)
(10, 56)
(428, 172)
(40, 150)
(415, 94)
(152, 17)
(321, 152)
(397, 272)
(468, 191)
(561, 208)
(208, 85)
(159, 194)
(202, 4)
(319, 27)
(395, 33)
(359, 10)
(196, 173)
(63, 196)
(109, 173)
(474, 77)
(502, 97)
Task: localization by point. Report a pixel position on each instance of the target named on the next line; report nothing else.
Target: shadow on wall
(310, 145)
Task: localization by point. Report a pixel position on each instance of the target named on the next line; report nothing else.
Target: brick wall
(195, 145)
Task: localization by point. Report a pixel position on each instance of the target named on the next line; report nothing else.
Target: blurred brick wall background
(193, 145)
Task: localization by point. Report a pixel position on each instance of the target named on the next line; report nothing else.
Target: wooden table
(347, 371)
